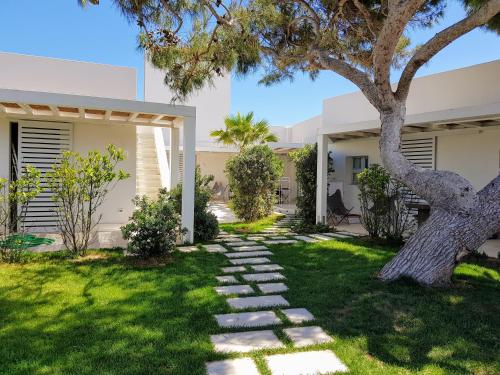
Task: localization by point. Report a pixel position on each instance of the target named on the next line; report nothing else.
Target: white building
(213, 104)
(452, 123)
(51, 105)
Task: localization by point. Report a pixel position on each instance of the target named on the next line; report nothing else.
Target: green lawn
(252, 227)
(105, 316)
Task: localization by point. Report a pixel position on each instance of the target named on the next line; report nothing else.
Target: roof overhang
(36, 105)
(475, 117)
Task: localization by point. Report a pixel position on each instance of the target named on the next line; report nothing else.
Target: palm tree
(241, 131)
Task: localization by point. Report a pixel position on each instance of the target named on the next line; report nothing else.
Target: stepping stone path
(268, 288)
(249, 261)
(249, 254)
(188, 249)
(234, 289)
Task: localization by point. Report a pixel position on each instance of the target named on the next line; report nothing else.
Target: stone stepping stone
(234, 269)
(188, 249)
(227, 279)
(267, 267)
(298, 316)
(305, 239)
(256, 238)
(242, 243)
(241, 303)
(248, 254)
(244, 342)
(263, 276)
(234, 289)
(338, 235)
(278, 238)
(250, 248)
(231, 239)
(305, 363)
(240, 366)
(249, 261)
(216, 248)
(276, 242)
(222, 232)
(248, 320)
(320, 237)
(269, 288)
(306, 336)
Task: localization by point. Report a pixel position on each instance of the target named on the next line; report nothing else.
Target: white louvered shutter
(41, 144)
(421, 152)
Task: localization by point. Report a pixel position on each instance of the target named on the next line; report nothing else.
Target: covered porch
(59, 122)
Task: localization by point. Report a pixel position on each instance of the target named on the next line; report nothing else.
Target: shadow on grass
(401, 324)
(104, 317)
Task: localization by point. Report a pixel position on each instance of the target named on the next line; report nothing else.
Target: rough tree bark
(461, 220)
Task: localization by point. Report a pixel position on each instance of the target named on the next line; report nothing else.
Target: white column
(321, 182)
(189, 143)
(161, 156)
(174, 158)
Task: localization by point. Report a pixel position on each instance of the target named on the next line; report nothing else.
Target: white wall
(212, 104)
(470, 86)
(474, 154)
(33, 73)
(118, 205)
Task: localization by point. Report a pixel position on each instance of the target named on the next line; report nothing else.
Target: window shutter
(40, 145)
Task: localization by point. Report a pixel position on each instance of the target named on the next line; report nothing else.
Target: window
(359, 163)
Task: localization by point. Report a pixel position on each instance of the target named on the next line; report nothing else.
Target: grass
(251, 227)
(103, 315)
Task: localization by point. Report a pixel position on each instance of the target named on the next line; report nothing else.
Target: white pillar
(174, 158)
(321, 182)
(189, 143)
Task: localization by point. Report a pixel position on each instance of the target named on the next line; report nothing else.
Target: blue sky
(59, 28)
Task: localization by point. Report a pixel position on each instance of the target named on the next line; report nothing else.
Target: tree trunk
(461, 219)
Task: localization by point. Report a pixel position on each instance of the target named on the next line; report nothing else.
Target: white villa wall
(118, 205)
(34, 73)
(470, 86)
(212, 104)
(473, 154)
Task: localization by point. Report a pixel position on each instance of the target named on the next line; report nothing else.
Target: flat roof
(66, 107)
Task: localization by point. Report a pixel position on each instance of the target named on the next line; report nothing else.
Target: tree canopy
(195, 41)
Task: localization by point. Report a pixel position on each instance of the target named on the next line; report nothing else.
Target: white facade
(455, 113)
(97, 104)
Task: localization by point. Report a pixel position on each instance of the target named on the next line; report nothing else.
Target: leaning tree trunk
(461, 220)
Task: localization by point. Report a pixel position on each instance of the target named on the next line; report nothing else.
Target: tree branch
(400, 14)
(358, 77)
(439, 41)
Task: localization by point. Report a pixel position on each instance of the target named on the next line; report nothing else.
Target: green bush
(206, 226)
(153, 227)
(253, 177)
(383, 210)
(305, 160)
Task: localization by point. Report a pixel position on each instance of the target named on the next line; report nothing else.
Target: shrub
(206, 226)
(305, 160)
(153, 227)
(15, 197)
(80, 185)
(253, 177)
(383, 210)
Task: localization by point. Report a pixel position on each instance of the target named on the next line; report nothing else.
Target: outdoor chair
(337, 212)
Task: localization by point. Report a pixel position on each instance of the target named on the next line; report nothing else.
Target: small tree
(305, 160)
(80, 186)
(15, 197)
(206, 226)
(242, 131)
(253, 179)
(153, 227)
